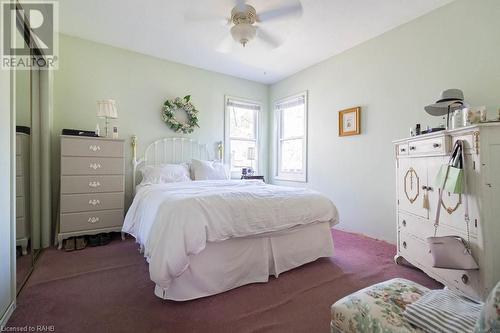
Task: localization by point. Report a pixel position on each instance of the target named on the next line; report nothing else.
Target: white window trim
(290, 176)
(258, 139)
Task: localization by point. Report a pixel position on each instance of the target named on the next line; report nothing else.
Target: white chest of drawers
(92, 186)
(23, 191)
(418, 160)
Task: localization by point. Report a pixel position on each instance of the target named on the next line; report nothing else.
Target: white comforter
(176, 220)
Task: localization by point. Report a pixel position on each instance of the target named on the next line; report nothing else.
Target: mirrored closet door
(26, 84)
(25, 233)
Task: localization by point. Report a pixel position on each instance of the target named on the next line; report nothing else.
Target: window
(291, 121)
(242, 135)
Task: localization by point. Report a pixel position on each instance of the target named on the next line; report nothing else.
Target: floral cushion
(489, 319)
(378, 308)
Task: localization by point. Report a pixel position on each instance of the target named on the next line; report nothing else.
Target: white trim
(290, 176)
(258, 134)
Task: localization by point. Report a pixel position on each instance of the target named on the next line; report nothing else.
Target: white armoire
(418, 160)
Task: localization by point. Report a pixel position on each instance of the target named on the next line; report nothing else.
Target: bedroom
(274, 106)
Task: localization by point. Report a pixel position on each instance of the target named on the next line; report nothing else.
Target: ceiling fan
(246, 23)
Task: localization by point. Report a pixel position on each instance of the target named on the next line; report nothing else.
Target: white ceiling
(158, 28)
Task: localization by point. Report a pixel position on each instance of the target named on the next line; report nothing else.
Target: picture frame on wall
(350, 121)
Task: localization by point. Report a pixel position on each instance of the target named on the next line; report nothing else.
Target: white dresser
(418, 160)
(22, 191)
(92, 186)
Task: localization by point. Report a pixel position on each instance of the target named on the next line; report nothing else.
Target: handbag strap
(466, 201)
(458, 149)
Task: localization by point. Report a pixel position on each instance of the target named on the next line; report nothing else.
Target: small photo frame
(350, 121)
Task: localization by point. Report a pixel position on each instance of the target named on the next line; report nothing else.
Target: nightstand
(254, 177)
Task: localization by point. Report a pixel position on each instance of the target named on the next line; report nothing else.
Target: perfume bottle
(115, 132)
(97, 130)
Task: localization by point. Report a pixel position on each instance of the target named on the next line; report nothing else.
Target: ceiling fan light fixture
(243, 33)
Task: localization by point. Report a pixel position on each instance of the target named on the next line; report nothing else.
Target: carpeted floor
(107, 289)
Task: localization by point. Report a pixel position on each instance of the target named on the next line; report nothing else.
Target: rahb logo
(29, 36)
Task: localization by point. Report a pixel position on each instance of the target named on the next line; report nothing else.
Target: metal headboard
(167, 151)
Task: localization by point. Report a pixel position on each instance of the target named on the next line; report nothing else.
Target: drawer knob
(405, 245)
(94, 148)
(93, 219)
(94, 184)
(404, 223)
(436, 145)
(94, 202)
(465, 279)
(413, 148)
(95, 166)
(403, 150)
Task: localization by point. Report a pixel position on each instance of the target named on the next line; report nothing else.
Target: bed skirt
(235, 262)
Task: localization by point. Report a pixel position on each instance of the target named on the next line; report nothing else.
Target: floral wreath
(168, 114)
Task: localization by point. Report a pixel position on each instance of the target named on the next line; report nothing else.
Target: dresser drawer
(91, 220)
(20, 207)
(92, 184)
(19, 166)
(19, 186)
(438, 146)
(92, 166)
(91, 147)
(21, 228)
(89, 202)
(19, 145)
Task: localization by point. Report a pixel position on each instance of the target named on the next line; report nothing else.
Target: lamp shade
(251, 153)
(106, 108)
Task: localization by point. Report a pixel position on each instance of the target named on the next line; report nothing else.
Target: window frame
(278, 125)
(227, 137)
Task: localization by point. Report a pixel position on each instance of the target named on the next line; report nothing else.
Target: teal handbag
(450, 177)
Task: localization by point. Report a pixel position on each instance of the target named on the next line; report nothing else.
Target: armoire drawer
(402, 149)
(92, 166)
(420, 228)
(439, 145)
(91, 147)
(91, 184)
(91, 220)
(90, 202)
(413, 249)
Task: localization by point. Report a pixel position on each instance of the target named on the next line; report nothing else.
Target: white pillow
(209, 170)
(165, 173)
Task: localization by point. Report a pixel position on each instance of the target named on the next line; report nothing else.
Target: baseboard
(6, 316)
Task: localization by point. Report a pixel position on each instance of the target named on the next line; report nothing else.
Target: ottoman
(378, 308)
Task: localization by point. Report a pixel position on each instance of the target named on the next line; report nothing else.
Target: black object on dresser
(253, 177)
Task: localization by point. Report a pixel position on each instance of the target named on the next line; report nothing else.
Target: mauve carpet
(107, 289)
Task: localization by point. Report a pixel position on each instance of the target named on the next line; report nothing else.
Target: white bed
(206, 237)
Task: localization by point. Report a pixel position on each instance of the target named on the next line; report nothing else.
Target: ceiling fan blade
(291, 10)
(268, 38)
(226, 45)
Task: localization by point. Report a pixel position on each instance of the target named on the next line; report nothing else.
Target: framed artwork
(350, 121)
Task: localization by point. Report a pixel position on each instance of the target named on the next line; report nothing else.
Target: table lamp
(106, 108)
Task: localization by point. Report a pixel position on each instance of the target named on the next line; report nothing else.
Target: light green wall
(23, 113)
(392, 78)
(140, 84)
